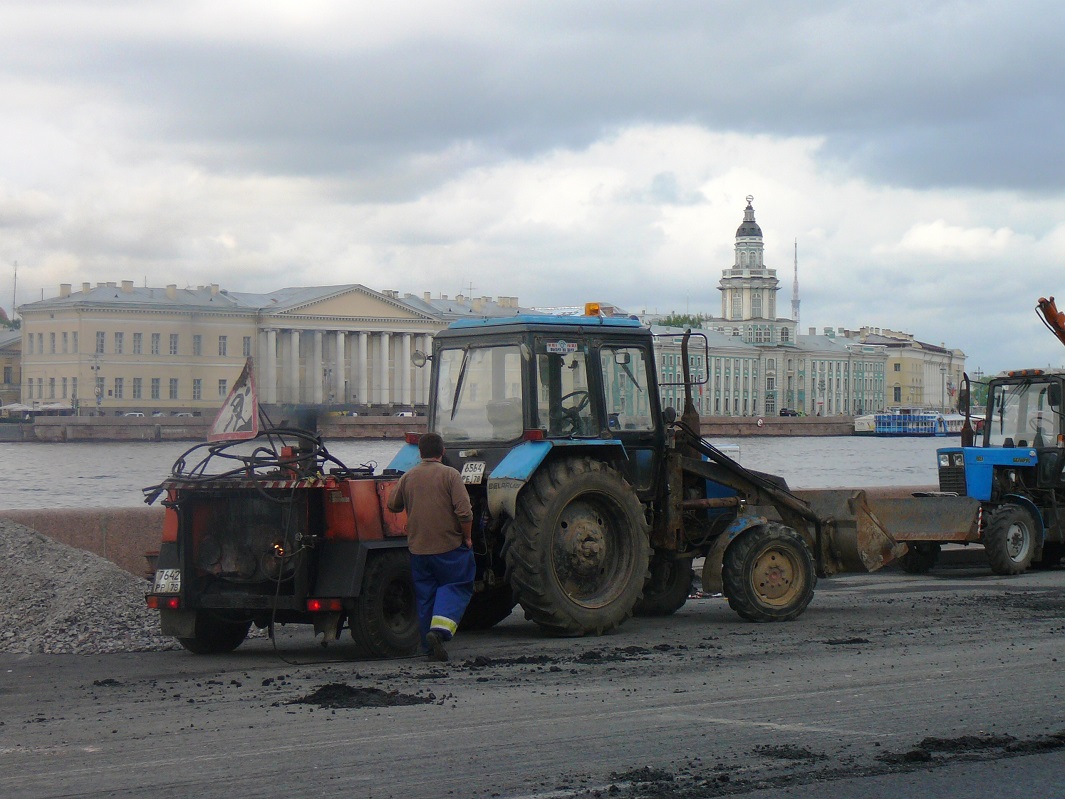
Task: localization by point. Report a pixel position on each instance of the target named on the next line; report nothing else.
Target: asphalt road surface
(890, 685)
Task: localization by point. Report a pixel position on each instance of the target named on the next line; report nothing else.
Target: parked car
(405, 413)
(788, 412)
(136, 414)
(184, 415)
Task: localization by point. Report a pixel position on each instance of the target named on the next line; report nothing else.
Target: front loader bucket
(853, 538)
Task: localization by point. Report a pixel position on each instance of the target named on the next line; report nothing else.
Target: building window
(40, 388)
(222, 390)
(74, 388)
(756, 305)
(896, 393)
(155, 343)
(197, 388)
(173, 343)
(197, 344)
(29, 345)
(51, 343)
(99, 341)
(155, 388)
(66, 341)
(137, 341)
(222, 345)
(51, 388)
(784, 334)
(173, 388)
(64, 388)
(137, 382)
(247, 347)
(119, 343)
(897, 367)
(74, 341)
(40, 343)
(119, 386)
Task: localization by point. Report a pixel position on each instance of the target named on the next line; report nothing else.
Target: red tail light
(534, 434)
(318, 605)
(156, 602)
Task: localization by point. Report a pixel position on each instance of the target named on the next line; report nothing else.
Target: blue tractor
(1016, 473)
(591, 501)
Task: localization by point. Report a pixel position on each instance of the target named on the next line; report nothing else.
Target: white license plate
(473, 472)
(167, 581)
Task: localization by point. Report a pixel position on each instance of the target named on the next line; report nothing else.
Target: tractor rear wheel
(1010, 540)
(384, 622)
(668, 587)
(920, 558)
(215, 635)
(579, 548)
(768, 574)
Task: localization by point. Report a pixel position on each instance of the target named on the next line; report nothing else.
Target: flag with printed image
(239, 416)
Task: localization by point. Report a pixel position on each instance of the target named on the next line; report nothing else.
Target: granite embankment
(119, 428)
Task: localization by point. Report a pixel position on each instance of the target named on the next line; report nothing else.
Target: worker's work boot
(436, 646)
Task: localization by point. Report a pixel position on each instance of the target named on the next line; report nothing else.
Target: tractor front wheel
(1010, 540)
(920, 558)
(768, 574)
(578, 550)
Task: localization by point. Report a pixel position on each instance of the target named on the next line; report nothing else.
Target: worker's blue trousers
(443, 585)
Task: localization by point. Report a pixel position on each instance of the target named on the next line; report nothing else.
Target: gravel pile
(55, 599)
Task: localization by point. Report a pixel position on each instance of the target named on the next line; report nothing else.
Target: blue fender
(521, 464)
(712, 583)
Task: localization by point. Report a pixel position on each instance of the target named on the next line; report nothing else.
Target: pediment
(355, 302)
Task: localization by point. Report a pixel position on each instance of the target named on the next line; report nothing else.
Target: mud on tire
(768, 574)
(384, 622)
(1009, 540)
(578, 550)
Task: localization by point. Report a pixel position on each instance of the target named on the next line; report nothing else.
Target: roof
(9, 337)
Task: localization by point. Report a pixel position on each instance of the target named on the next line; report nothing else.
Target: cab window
(625, 385)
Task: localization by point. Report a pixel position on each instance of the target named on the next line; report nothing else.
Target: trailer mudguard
(712, 564)
(341, 565)
(520, 464)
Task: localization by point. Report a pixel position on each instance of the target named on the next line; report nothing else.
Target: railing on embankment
(120, 428)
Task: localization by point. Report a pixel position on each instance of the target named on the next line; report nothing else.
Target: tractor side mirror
(419, 358)
(1054, 395)
(621, 357)
(670, 415)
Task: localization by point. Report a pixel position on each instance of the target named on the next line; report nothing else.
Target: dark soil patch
(481, 661)
(339, 695)
(644, 774)
(108, 682)
(790, 752)
(966, 743)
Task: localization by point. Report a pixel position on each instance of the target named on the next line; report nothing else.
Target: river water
(100, 475)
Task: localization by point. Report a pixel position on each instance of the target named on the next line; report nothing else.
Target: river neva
(101, 475)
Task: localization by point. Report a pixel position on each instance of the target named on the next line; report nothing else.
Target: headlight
(957, 459)
(944, 459)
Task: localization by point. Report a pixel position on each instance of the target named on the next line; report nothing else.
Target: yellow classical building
(114, 348)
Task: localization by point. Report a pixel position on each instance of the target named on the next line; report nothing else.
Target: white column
(382, 380)
(403, 367)
(360, 367)
(293, 393)
(338, 367)
(316, 377)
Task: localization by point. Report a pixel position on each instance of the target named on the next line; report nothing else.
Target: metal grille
(952, 478)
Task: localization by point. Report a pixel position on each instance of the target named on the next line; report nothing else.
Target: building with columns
(116, 348)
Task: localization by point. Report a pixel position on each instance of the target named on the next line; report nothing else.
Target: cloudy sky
(554, 151)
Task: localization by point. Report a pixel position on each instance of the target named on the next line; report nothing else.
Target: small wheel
(384, 622)
(1010, 540)
(768, 574)
(920, 558)
(487, 608)
(215, 635)
(667, 589)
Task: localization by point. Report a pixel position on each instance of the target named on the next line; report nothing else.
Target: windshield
(563, 401)
(478, 394)
(625, 385)
(1022, 415)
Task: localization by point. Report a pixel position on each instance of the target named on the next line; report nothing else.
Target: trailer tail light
(170, 525)
(319, 605)
(412, 438)
(156, 602)
(534, 434)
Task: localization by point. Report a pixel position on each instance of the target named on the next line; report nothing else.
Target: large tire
(668, 587)
(487, 608)
(1010, 540)
(768, 574)
(384, 622)
(578, 550)
(920, 558)
(215, 635)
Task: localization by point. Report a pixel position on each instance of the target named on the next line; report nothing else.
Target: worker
(439, 529)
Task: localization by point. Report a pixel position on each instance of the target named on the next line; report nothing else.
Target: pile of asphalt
(55, 599)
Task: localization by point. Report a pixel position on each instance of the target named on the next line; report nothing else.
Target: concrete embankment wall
(122, 535)
(71, 428)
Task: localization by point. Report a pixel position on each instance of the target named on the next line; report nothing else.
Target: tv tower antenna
(795, 290)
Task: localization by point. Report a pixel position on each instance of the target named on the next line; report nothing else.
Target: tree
(684, 320)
